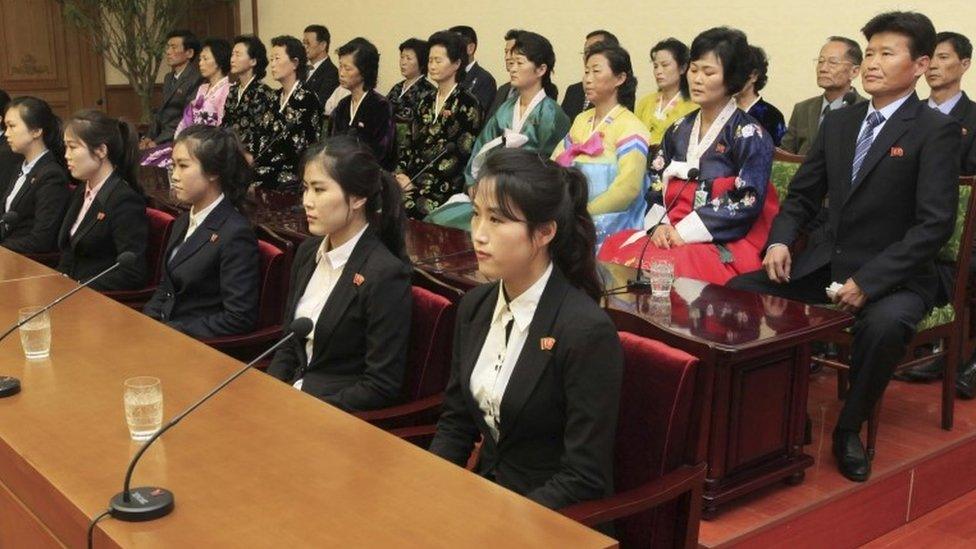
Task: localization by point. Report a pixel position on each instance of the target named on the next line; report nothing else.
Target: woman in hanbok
(608, 143)
(364, 114)
(405, 96)
(207, 107)
(660, 109)
(752, 103)
(530, 118)
(711, 226)
(249, 99)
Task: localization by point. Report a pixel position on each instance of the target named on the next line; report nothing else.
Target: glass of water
(661, 276)
(143, 406)
(35, 335)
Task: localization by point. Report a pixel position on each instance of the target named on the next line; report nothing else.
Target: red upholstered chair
(160, 226)
(429, 358)
(276, 258)
(658, 496)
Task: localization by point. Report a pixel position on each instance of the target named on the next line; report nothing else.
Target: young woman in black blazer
(352, 280)
(37, 189)
(537, 365)
(210, 283)
(107, 215)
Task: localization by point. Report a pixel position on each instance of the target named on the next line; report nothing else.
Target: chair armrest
(403, 411)
(686, 478)
(258, 337)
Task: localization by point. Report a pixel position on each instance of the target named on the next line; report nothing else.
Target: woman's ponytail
(392, 217)
(574, 247)
(126, 160)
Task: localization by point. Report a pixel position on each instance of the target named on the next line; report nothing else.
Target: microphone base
(145, 503)
(9, 386)
(638, 286)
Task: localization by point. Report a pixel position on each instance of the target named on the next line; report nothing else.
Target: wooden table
(756, 362)
(14, 267)
(260, 465)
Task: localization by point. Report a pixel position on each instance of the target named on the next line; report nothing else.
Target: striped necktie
(864, 142)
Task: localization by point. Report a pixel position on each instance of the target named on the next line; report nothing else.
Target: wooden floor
(949, 526)
(918, 468)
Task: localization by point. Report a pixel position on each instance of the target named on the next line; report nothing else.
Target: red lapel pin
(214, 237)
(100, 216)
(719, 148)
(358, 279)
(897, 152)
(547, 343)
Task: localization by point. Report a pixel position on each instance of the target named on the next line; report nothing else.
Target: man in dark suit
(950, 63)
(323, 76)
(890, 170)
(837, 67)
(575, 102)
(179, 87)
(477, 80)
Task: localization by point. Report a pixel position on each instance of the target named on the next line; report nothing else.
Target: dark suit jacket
(559, 411)
(804, 124)
(373, 125)
(481, 84)
(574, 102)
(361, 337)
(40, 203)
(9, 160)
(965, 113)
(323, 81)
(115, 223)
(210, 287)
(885, 230)
(176, 94)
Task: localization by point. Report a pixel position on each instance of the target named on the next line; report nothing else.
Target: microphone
(850, 97)
(7, 222)
(151, 502)
(125, 259)
(639, 282)
(450, 147)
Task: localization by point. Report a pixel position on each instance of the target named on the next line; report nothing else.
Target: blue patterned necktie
(864, 142)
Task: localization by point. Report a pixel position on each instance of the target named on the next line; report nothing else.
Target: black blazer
(361, 337)
(886, 229)
(559, 411)
(210, 287)
(115, 223)
(323, 81)
(481, 84)
(965, 113)
(574, 102)
(176, 94)
(40, 203)
(373, 124)
(9, 160)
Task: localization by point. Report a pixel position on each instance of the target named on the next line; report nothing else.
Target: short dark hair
(456, 48)
(220, 49)
(221, 155)
(732, 49)
(915, 26)
(295, 50)
(366, 58)
(512, 34)
(608, 37)
(321, 33)
(420, 49)
(854, 54)
(619, 61)
(256, 51)
(679, 51)
(190, 40)
(470, 36)
(961, 44)
(4, 101)
(760, 65)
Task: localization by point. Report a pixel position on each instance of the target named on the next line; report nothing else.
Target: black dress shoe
(966, 381)
(852, 460)
(928, 371)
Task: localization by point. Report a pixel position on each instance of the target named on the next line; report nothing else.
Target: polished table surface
(259, 465)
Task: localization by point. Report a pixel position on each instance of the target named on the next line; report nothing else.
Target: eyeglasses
(830, 61)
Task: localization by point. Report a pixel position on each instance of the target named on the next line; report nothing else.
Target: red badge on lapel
(547, 343)
(358, 279)
(897, 152)
(719, 148)
(100, 216)
(214, 237)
